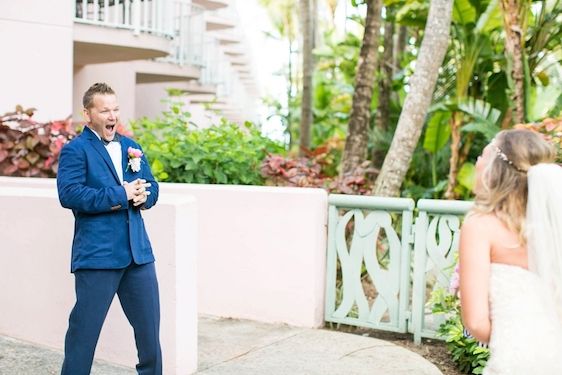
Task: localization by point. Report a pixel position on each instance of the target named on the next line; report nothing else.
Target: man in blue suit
(106, 181)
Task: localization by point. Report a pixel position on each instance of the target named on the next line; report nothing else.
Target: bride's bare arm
(474, 276)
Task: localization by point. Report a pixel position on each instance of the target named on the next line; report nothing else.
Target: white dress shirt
(116, 155)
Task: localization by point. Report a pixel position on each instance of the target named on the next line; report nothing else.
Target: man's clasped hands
(137, 191)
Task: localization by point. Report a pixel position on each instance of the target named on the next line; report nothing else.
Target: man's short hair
(100, 88)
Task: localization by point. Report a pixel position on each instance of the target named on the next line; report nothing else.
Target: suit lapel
(124, 159)
(100, 148)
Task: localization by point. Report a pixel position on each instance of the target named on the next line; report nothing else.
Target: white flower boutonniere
(134, 158)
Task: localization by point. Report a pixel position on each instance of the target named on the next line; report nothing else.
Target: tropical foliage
(475, 93)
(318, 168)
(29, 148)
(225, 153)
(469, 355)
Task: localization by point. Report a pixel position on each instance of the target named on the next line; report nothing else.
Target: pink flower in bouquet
(134, 152)
(134, 158)
(454, 283)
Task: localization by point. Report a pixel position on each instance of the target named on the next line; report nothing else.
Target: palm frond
(484, 118)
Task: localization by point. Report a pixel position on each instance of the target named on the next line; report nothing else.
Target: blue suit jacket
(108, 231)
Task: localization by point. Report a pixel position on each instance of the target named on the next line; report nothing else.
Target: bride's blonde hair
(504, 181)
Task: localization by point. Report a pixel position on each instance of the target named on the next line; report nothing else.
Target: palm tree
(355, 151)
(422, 85)
(387, 72)
(515, 24)
(400, 42)
(308, 35)
(467, 47)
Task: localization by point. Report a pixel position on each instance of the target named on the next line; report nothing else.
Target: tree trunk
(399, 48)
(386, 80)
(385, 86)
(465, 150)
(307, 69)
(315, 34)
(422, 85)
(507, 118)
(514, 45)
(290, 97)
(400, 43)
(454, 160)
(355, 151)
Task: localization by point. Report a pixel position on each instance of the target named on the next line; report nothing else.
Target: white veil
(544, 226)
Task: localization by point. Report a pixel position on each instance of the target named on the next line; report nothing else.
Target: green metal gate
(376, 237)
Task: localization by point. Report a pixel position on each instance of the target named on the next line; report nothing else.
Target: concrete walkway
(229, 346)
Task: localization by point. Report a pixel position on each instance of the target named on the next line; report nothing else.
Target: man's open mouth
(110, 127)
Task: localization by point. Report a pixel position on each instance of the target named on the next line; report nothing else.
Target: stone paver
(228, 346)
(251, 348)
(21, 358)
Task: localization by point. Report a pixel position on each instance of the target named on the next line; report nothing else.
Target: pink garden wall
(230, 251)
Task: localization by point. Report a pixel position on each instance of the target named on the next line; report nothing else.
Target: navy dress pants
(137, 289)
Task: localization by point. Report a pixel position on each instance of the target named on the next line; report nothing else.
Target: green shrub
(179, 151)
(466, 352)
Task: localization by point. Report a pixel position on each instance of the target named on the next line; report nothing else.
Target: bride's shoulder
(481, 223)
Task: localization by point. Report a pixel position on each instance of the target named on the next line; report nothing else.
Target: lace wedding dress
(526, 336)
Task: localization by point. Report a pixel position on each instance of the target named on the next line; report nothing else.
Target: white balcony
(229, 38)
(221, 19)
(242, 70)
(121, 30)
(205, 99)
(211, 4)
(233, 51)
(226, 107)
(197, 88)
(240, 61)
(159, 71)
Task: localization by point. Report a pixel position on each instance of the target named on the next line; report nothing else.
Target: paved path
(243, 347)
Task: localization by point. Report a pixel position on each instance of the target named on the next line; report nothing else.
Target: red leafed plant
(551, 129)
(358, 182)
(300, 172)
(29, 148)
(318, 168)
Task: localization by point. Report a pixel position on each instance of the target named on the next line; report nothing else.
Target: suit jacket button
(113, 208)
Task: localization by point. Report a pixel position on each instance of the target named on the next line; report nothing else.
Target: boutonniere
(134, 159)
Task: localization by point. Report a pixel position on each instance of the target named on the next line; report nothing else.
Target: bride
(511, 256)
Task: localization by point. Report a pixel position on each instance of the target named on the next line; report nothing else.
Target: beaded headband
(503, 156)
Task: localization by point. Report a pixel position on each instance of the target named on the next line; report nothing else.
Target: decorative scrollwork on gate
(442, 243)
(358, 228)
(362, 250)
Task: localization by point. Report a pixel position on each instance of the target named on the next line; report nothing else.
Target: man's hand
(132, 188)
(141, 198)
(136, 191)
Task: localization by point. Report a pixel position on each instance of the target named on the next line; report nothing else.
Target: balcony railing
(228, 13)
(188, 25)
(211, 72)
(218, 71)
(149, 16)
